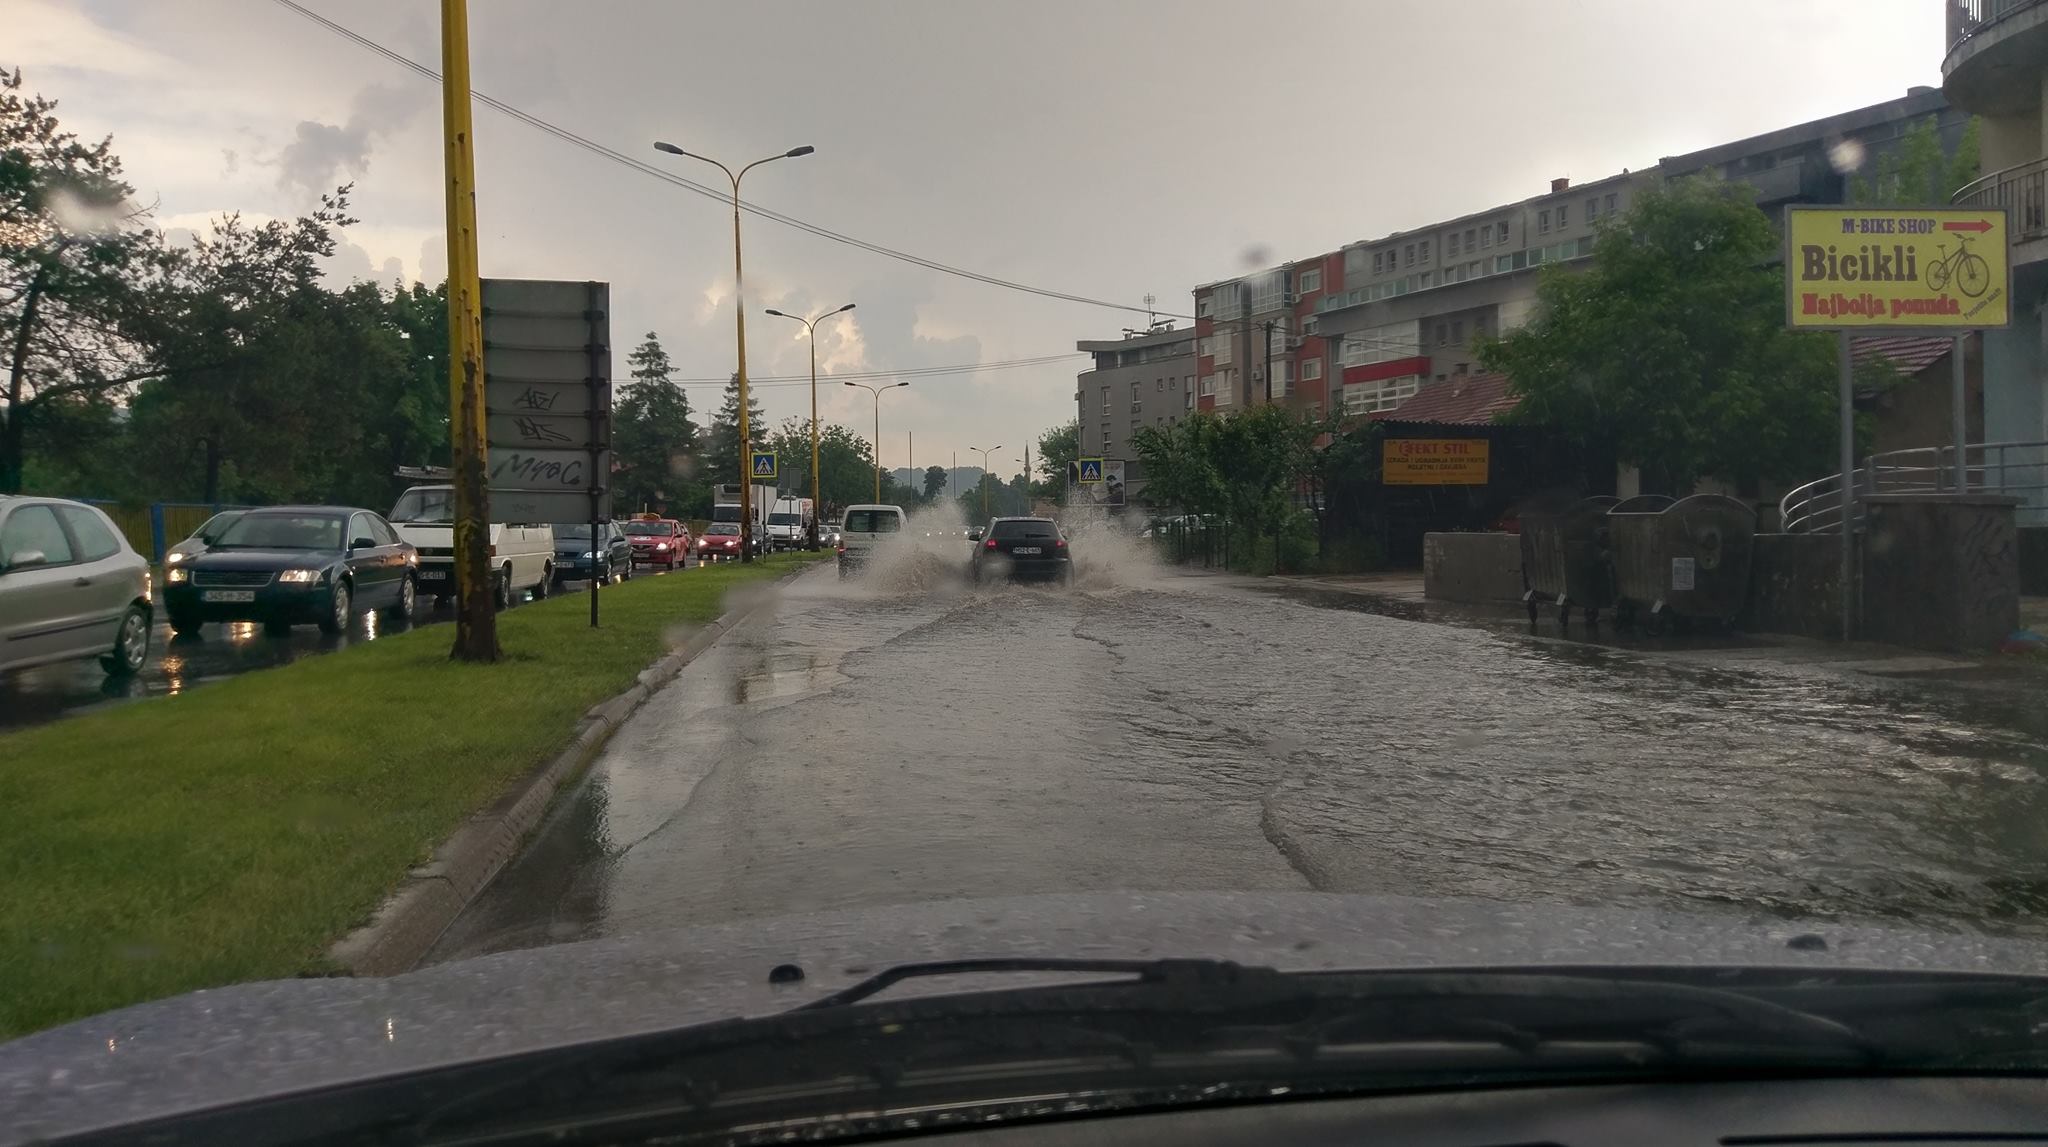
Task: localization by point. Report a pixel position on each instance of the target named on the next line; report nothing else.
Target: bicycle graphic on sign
(1967, 269)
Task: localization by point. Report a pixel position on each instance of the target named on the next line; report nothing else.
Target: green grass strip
(234, 832)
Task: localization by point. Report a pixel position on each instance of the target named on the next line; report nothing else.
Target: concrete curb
(412, 919)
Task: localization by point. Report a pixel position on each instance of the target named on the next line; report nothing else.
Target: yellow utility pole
(476, 621)
(817, 491)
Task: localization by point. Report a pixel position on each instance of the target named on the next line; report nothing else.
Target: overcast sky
(1107, 148)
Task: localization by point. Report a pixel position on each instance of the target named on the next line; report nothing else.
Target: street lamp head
(899, 384)
(793, 152)
(779, 314)
(672, 149)
(852, 384)
(847, 307)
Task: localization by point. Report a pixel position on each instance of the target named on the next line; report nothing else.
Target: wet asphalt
(215, 653)
(909, 738)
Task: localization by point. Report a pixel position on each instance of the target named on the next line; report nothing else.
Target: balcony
(1996, 51)
(2022, 191)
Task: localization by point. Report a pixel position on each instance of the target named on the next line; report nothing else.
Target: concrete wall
(1795, 586)
(1940, 572)
(1472, 567)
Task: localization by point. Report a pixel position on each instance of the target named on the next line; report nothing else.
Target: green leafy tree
(722, 449)
(1917, 171)
(1252, 470)
(934, 483)
(74, 255)
(653, 440)
(1673, 347)
(846, 469)
(1057, 449)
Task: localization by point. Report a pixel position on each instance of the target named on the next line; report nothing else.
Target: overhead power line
(862, 375)
(721, 195)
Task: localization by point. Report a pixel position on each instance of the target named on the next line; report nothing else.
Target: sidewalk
(1400, 594)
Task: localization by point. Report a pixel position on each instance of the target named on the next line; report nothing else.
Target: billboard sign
(1896, 269)
(548, 399)
(1434, 461)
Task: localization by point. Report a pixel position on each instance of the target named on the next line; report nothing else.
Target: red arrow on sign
(1979, 225)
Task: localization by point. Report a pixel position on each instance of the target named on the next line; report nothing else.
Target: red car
(662, 542)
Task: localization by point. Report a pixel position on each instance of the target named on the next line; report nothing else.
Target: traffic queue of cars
(73, 588)
(1006, 549)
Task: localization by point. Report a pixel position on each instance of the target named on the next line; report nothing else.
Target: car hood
(262, 559)
(239, 1043)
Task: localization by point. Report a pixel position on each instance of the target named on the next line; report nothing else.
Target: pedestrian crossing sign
(1091, 470)
(764, 464)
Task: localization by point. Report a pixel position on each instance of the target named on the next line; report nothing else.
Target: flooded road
(877, 745)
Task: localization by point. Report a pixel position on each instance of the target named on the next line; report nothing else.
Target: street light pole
(877, 392)
(740, 329)
(817, 491)
(985, 473)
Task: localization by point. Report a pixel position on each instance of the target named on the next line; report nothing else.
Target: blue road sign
(764, 464)
(1091, 470)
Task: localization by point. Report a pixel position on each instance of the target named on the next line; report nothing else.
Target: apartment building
(1143, 379)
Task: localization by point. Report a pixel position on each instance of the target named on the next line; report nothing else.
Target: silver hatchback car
(71, 587)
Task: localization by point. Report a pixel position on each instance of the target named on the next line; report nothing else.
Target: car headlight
(589, 555)
(173, 558)
(661, 545)
(300, 577)
(177, 576)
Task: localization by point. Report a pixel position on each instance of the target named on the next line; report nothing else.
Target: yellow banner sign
(1884, 268)
(1434, 462)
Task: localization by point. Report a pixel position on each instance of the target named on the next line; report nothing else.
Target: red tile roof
(1465, 400)
(1910, 353)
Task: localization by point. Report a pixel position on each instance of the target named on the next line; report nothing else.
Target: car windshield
(873, 522)
(427, 506)
(283, 532)
(1323, 484)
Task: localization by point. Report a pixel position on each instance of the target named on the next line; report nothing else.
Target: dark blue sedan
(290, 565)
(576, 559)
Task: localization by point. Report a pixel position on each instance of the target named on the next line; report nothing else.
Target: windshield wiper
(1184, 973)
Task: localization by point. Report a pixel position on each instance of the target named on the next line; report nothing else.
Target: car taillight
(991, 544)
(1059, 543)
(842, 548)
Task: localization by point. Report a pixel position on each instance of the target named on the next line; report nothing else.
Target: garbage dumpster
(1564, 557)
(1688, 560)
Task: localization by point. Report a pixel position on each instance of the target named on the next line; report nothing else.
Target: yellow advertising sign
(1433, 461)
(1886, 268)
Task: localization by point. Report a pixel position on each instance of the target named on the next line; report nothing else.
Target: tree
(722, 448)
(1673, 347)
(934, 482)
(1057, 448)
(1249, 469)
(73, 257)
(653, 439)
(1918, 171)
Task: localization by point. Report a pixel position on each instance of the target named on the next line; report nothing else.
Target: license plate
(228, 595)
(1027, 550)
(433, 575)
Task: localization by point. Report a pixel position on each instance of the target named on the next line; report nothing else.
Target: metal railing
(2021, 189)
(1966, 18)
(2019, 469)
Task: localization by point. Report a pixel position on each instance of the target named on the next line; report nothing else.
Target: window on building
(1543, 222)
(1408, 256)
(1501, 233)
(1108, 443)
(1386, 394)
(1564, 216)
(1208, 385)
(1137, 394)
(1592, 209)
(1611, 201)
(1424, 246)
(1311, 369)
(1225, 347)
(1354, 260)
(1172, 384)
(1451, 244)
(1159, 384)
(1469, 233)
(1203, 307)
(1378, 264)
(1269, 292)
(1485, 236)
(1309, 280)
(1205, 346)
(1443, 334)
(1458, 331)
(1425, 280)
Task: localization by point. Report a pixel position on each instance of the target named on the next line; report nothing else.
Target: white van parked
(523, 554)
(864, 531)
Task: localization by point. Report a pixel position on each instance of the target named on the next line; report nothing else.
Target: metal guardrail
(2013, 468)
(2021, 189)
(1966, 18)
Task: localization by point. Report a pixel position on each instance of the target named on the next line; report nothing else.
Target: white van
(863, 530)
(523, 554)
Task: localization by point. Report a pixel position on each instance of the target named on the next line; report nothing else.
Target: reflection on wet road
(866, 747)
(217, 652)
